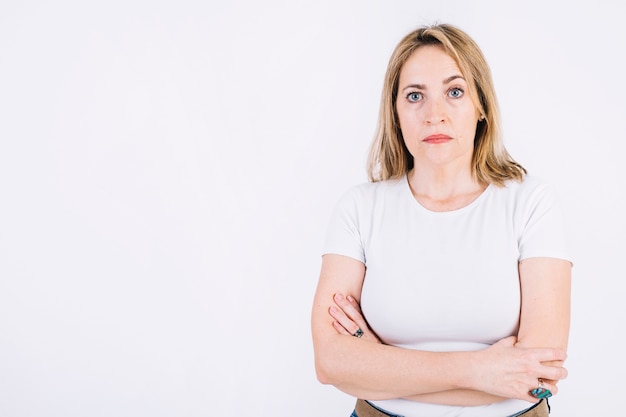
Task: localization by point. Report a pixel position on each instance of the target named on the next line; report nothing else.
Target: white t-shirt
(445, 281)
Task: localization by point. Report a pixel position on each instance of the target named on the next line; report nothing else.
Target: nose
(434, 112)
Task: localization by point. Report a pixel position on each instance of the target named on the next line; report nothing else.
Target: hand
(511, 372)
(349, 318)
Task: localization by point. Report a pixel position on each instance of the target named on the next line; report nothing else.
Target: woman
(445, 281)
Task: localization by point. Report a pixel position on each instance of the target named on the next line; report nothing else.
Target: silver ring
(358, 333)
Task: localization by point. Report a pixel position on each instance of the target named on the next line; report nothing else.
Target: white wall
(167, 170)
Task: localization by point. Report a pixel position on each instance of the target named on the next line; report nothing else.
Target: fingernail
(338, 297)
(350, 298)
(333, 309)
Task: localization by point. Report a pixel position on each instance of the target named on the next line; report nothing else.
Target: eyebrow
(423, 87)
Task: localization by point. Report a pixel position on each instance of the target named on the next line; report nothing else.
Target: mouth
(437, 138)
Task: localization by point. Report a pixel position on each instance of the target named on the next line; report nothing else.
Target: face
(437, 116)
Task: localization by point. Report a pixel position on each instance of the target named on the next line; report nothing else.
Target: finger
(550, 354)
(354, 304)
(342, 319)
(542, 390)
(553, 373)
(354, 313)
(352, 319)
(340, 329)
(553, 388)
(550, 381)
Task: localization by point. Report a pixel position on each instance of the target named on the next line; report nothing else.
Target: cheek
(468, 121)
(408, 120)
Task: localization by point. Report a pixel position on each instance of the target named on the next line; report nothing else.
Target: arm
(544, 320)
(545, 315)
(377, 371)
(348, 318)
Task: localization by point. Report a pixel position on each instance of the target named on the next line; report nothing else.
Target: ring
(540, 392)
(358, 333)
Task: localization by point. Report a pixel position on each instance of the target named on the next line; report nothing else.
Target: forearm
(365, 368)
(377, 372)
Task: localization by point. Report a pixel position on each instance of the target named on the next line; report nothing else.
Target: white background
(167, 170)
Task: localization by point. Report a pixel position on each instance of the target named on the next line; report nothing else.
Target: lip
(437, 138)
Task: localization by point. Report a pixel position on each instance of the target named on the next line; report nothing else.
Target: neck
(444, 190)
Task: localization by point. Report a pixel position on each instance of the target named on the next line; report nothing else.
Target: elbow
(327, 376)
(323, 373)
(325, 355)
(328, 366)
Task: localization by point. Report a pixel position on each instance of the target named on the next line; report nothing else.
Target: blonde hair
(389, 157)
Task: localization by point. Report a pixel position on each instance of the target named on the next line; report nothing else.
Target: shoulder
(532, 197)
(529, 188)
(371, 191)
(528, 184)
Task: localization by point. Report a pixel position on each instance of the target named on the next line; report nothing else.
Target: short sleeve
(543, 226)
(343, 235)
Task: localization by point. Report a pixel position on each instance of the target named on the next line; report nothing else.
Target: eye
(456, 93)
(414, 96)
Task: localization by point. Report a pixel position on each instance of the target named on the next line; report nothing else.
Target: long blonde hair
(491, 163)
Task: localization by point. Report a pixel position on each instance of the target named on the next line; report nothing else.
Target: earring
(482, 117)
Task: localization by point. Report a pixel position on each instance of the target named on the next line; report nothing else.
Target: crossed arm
(366, 368)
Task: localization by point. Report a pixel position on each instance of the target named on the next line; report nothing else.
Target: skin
(432, 100)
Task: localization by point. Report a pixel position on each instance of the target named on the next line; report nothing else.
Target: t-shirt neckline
(467, 207)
